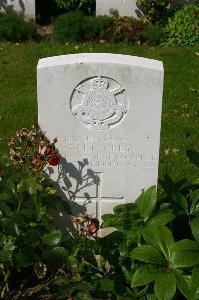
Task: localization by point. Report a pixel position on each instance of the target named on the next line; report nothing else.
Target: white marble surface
(105, 110)
(124, 7)
(26, 7)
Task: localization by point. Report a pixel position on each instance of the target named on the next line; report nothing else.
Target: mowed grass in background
(180, 125)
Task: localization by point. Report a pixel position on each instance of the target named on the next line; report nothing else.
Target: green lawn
(180, 126)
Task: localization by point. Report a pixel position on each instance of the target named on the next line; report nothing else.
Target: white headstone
(105, 110)
(26, 7)
(124, 7)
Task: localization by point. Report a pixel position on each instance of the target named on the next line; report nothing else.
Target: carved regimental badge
(99, 103)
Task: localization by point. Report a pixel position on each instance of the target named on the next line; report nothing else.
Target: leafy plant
(183, 27)
(153, 34)
(147, 256)
(14, 28)
(70, 27)
(171, 265)
(126, 28)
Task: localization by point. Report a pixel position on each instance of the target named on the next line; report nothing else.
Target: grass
(180, 130)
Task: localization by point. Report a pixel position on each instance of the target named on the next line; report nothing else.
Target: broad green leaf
(193, 156)
(29, 185)
(194, 286)
(182, 284)
(195, 228)
(146, 202)
(83, 286)
(2, 239)
(195, 200)
(165, 285)
(181, 201)
(6, 256)
(185, 254)
(124, 209)
(52, 238)
(61, 281)
(162, 218)
(144, 275)
(106, 285)
(60, 251)
(73, 261)
(4, 197)
(24, 259)
(186, 245)
(83, 296)
(150, 297)
(148, 254)
(33, 238)
(109, 220)
(10, 227)
(160, 237)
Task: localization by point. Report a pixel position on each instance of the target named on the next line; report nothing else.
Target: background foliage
(183, 27)
(14, 28)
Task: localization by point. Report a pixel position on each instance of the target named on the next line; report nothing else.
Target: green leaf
(160, 237)
(52, 238)
(146, 202)
(83, 296)
(148, 254)
(193, 157)
(186, 254)
(73, 262)
(144, 275)
(151, 297)
(24, 259)
(4, 197)
(162, 218)
(106, 285)
(33, 238)
(165, 285)
(195, 228)
(182, 284)
(194, 282)
(29, 185)
(61, 281)
(2, 239)
(10, 227)
(181, 201)
(83, 286)
(194, 200)
(61, 251)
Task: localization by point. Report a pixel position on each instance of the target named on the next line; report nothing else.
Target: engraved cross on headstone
(102, 204)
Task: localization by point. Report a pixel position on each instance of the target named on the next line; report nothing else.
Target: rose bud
(54, 160)
(93, 227)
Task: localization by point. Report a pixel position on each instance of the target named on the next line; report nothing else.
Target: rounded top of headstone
(84, 58)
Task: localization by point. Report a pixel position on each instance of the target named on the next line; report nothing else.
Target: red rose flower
(54, 160)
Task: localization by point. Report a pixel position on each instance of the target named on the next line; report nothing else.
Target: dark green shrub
(76, 26)
(153, 34)
(70, 27)
(14, 28)
(183, 27)
(102, 25)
